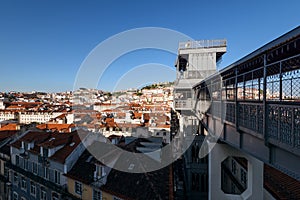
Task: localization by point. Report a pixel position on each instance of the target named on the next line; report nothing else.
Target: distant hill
(158, 85)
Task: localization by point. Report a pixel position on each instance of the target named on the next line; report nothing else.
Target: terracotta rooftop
(56, 127)
(150, 185)
(84, 168)
(110, 122)
(16, 107)
(61, 155)
(69, 141)
(6, 134)
(163, 126)
(9, 127)
(36, 136)
(128, 125)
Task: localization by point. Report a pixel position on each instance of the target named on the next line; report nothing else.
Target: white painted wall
(255, 188)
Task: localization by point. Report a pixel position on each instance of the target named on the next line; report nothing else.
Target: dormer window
(25, 145)
(45, 152)
(99, 171)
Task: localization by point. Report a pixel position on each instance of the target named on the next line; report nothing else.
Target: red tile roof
(9, 127)
(56, 127)
(31, 136)
(61, 155)
(69, 141)
(6, 134)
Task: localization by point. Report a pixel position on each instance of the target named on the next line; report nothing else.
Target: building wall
(218, 153)
(5, 115)
(17, 188)
(107, 196)
(2, 162)
(2, 105)
(236, 173)
(196, 174)
(268, 196)
(39, 117)
(87, 191)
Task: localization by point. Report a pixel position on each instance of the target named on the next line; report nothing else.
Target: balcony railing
(250, 116)
(184, 104)
(202, 44)
(283, 124)
(282, 120)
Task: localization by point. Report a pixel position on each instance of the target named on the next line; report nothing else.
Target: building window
(23, 183)
(233, 166)
(45, 152)
(243, 176)
(43, 194)
(55, 196)
(25, 164)
(204, 183)
(32, 188)
(6, 172)
(195, 182)
(78, 188)
(25, 146)
(97, 195)
(15, 178)
(34, 168)
(15, 196)
(195, 153)
(46, 172)
(17, 160)
(56, 177)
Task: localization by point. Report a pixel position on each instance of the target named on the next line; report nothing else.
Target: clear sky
(43, 43)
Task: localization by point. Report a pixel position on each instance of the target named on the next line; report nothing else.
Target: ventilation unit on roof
(72, 144)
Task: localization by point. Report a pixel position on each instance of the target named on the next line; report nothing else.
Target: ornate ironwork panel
(230, 112)
(285, 130)
(284, 124)
(251, 116)
(272, 121)
(260, 119)
(216, 108)
(297, 127)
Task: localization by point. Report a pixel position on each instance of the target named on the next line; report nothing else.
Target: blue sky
(43, 43)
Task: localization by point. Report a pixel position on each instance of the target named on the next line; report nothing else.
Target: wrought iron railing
(215, 109)
(230, 111)
(282, 120)
(283, 124)
(202, 44)
(250, 116)
(183, 104)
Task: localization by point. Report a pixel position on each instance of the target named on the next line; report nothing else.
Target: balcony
(202, 44)
(184, 104)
